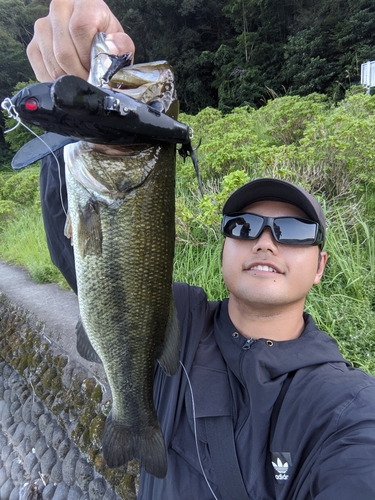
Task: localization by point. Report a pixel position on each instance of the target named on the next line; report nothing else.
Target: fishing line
(8, 106)
(195, 431)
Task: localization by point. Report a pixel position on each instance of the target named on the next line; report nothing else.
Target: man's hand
(62, 40)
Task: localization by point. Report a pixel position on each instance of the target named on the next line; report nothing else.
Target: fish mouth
(117, 150)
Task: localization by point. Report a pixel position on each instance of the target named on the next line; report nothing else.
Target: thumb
(119, 43)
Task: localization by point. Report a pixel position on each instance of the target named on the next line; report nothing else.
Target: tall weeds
(344, 303)
(24, 243)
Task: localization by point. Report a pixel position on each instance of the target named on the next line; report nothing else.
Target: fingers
(40, 52)
(88, 17)
(62, 40)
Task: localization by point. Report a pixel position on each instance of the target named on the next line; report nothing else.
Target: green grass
(343, 304)
(23, 242)
(200, 265)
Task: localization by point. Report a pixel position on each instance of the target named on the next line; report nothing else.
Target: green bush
(24, 243)
(21, 187)
(286, 118)
(343, 304)
(329, 149)
(343, 140)
(7, 211)
(44, 272)
(5, 157)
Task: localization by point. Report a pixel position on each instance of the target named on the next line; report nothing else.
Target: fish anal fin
(122, 444)
(84, 347)
(170, 355)
(89, 229)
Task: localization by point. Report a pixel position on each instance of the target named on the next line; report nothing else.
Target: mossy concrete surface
(37, 341)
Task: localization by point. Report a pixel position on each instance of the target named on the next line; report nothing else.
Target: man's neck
(274, 323)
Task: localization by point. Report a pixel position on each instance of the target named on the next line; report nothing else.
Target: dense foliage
(233, 52)
(324, 147)
(17, 19)
(226, 53)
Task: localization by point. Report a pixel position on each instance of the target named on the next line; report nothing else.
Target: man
(264, 406)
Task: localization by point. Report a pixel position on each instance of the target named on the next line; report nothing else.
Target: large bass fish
(121, 221)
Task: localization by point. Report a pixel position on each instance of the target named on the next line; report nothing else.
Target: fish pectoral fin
(68, 230)
(84, 347)
(90, 236)
(122, 444)
(170, 355)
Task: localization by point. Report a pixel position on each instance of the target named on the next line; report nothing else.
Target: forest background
(225, 53)
(271, 87)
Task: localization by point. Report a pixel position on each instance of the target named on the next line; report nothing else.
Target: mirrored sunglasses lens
(244, 226)
(291, 230)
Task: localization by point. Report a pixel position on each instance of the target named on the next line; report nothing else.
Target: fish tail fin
(121, 444)
(170, 355)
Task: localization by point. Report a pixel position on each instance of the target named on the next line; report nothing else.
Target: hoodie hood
(275, 359)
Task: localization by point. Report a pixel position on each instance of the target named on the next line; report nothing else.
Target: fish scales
(121, 209)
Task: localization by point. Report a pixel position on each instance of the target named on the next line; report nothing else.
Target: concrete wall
(52, 404)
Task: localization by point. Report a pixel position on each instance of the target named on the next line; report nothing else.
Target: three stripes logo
(281, 462)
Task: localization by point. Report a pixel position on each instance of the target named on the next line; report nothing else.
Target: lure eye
(31, 104)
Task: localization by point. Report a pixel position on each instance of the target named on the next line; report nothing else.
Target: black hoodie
(323, 444)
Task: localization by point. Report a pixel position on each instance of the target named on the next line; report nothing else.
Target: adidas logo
(281, 477)
(281, 463)
(280, 467)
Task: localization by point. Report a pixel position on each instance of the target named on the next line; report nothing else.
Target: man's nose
(265, 242)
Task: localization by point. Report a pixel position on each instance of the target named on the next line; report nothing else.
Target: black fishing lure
(71, 109)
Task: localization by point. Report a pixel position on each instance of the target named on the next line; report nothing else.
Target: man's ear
(322, 261)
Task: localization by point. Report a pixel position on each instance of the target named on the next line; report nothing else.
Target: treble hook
(187, 150)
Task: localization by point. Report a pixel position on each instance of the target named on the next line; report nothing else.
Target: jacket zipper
(248, 344)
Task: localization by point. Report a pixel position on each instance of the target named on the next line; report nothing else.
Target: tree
(187, 34)
(225, 53)
(327, 44)
(17, 18)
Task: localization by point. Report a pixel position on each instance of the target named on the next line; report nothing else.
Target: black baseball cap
(276, 190)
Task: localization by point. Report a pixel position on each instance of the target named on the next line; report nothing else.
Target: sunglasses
(285, 230)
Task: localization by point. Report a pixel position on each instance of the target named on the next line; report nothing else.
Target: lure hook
(187, 150)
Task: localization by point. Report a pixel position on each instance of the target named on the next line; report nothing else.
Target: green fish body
(121, 211)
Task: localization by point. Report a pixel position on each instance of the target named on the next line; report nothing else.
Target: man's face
(265, 274)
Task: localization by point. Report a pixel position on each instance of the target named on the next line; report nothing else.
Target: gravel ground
(38, 460)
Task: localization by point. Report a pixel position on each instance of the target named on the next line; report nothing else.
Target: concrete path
(55, 307)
